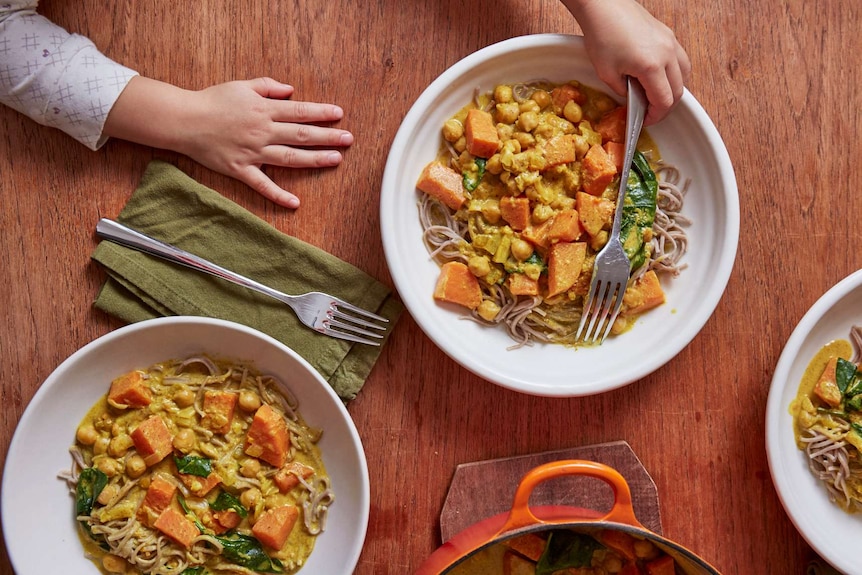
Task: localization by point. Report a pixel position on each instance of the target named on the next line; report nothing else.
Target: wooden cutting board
(486, 488)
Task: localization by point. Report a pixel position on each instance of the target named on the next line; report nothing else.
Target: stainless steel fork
(612, 267)
(321, 312)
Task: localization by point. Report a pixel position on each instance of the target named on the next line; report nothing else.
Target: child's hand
(243, 125)
(233, 128)
(623, 39)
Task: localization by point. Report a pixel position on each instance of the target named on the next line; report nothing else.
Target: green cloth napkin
(172, 207)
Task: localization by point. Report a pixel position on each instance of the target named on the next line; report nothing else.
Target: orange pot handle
(621, 511)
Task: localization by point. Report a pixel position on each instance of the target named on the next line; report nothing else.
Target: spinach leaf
(638, 209)
(566, 549)
(845, 373)
(182, 501)
(199, 570)
(192, 465)
(471, 180)
(91, 481)
(226, 501)
(246, 551)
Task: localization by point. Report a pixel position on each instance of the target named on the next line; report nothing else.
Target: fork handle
(117, 232)
(635, 112)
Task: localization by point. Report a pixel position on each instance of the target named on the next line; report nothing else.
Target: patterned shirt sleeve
(56, 78)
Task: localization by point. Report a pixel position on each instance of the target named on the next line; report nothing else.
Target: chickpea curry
(198, 467)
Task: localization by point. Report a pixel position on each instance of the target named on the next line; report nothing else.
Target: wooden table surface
(778, 79)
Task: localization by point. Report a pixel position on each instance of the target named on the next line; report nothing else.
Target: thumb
(269, 88)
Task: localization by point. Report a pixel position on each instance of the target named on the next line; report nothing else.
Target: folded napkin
(170, 206)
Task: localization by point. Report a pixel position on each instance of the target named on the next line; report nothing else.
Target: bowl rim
(710, 297)
(17, 444)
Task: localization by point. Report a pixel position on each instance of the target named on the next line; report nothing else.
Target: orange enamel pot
(522, 519)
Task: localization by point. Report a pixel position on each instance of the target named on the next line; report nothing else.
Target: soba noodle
(248, 479)
(530, 318)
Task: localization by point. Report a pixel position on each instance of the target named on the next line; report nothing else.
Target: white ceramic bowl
(686, 138)
(37, 509)
(833, 533)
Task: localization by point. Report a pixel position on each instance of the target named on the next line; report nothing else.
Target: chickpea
(573, 112)
(529, 106)
(493, 165)
(250, 467)
(108, 465)
(114, 564)
(527, 121)
(491, 212)
(480, 266)
(184, 397)
(119, 445)
(526, 139)
(452, 130)
(503, 93)
(87, 434)
(542, 213)
(505, 131)
(521, 249)
(542, 98)
(605, 104)
(135, 466)
(250, 497)
(209, 450)
(488, 310)
(645, 549)
(185, 440)
(100, 447)
(460, 145)
(507, 113)
(108, 493)
(612, 564)
(249, 401)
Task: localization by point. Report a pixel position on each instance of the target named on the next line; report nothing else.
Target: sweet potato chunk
(218, 410)
(288, 476)
(514, 564)
(457, 284)
(152, 440)
(594, 213)
(177, 526)
(619, 541)
(516, 212)
(826, 387)
(662, 566)
(481, 134)
(559, 150)
(200, 486)
(157, 499)
(521, 284)
(538, 235)
(562, 95)
(612, 125)
(565, 261)
(268, 438)
(598, 170)
(565, 227)
(442, 183)
(225, 520)
(529, 545)
(617, 154)
(275, 525)
(131, 390)
(643, 295)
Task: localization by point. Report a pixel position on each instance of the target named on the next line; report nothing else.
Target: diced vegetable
(826, 387)
(617, 153)
(516, 211)
(159, 495)
(559, 150)
(268, 438)
(664, 565)
(595, 213)
(457, 284)
(522, 284)
(565, 227)
(619, 541)
(130, 390)
(274, 525)
(218, 410)
(152, 440)
(177, 526)
(598, 170)
(226, 520)
(198, 485)
(565, 261)
(612, 125)
(481, 134)
(529, 545)
(562, 95)
(643, 295)
(288, 476)
(443, 183)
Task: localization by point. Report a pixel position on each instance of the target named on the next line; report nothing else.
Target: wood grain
(777, 78)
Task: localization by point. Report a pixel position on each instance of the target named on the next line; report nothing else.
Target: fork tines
(602, 307)
(351, 327)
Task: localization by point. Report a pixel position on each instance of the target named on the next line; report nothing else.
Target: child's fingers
(254, 178)
(305, 112)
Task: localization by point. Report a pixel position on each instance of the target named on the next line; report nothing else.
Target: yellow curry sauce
(237, 480)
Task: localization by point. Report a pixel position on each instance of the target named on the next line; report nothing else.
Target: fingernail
(338, 112)
(346, 139)
(333, 158)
